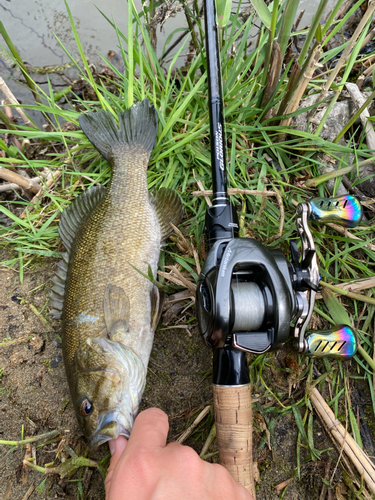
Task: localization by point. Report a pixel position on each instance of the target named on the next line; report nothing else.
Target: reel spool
(243, 298)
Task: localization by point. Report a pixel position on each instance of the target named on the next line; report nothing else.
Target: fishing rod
(250, 298)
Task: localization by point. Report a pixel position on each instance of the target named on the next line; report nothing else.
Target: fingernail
(112, 446)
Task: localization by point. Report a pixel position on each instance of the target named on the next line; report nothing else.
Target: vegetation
(264, 83)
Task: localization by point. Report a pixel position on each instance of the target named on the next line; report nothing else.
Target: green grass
(263, 153)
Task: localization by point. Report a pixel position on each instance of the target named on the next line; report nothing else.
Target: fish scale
(123, 230)
(110, 310)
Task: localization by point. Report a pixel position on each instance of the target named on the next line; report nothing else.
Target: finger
(150, 429)
(116, 447)
(229, 488)
(244, 494)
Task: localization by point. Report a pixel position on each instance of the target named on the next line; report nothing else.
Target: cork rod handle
(233, 416)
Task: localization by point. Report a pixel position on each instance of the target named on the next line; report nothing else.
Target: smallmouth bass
(109, 310)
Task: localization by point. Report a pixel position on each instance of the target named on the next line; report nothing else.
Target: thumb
(116, 447)
(150, 430)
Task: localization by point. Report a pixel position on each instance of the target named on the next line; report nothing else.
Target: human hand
(146, 468)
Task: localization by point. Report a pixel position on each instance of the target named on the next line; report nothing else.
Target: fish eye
(85, 407)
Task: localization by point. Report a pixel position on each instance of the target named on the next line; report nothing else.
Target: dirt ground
(34, 396)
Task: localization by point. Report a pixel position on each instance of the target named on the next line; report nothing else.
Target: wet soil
(34, 399)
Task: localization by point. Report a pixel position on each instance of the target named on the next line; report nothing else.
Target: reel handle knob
(340, 343)
(343, 210)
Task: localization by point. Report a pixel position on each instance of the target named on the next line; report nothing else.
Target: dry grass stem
(196, 258)
(282, 216)
(190, 429)
(342, 10)
(344, 440)
(9, 489)
(181, 327)
(51, 179)
(29, 492)
(354, 286)
(187, 307)
(352, 295)
(189, 246)
(209, 441)
(209, 455)
(170, 277)
(177, 297)
(279, 487)
(12, 100)
(348, 234)
(186, 243)
(323, 493)
(176, 277)
(7, 109)
(369, 70)
(273, 76)
(261, 208)
(202, 190)
(359, 100)
(27, 455)
(9, 187)
(32, 185)
(370, 35)
(305, 80)
(189, 284)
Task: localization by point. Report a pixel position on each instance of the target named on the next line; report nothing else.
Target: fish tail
(137, 129)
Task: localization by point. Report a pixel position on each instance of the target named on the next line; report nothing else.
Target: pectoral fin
(116, 312)
(169, 209)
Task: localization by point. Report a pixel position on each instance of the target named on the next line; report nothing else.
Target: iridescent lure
(345, 210)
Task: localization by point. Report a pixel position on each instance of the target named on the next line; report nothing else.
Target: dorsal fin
(70, 222)
(169, 209)
(73, 216)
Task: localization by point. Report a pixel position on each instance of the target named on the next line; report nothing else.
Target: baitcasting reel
(249, 296)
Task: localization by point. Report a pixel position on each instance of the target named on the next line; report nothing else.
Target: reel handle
(343, 210)
(339, 342)
(233, 417)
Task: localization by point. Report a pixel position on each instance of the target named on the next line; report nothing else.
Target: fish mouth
(110, 426)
